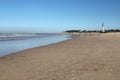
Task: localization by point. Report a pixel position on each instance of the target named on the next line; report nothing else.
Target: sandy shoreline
(95, 57)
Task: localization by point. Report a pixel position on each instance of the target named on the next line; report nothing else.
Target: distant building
(103, 27)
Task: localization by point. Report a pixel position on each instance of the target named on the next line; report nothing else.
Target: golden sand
(93, 57)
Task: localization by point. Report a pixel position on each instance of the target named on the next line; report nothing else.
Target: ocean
(11, 43)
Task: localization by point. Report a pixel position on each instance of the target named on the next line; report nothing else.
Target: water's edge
(13, 46)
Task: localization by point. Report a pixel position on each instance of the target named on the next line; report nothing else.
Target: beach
(86, 57)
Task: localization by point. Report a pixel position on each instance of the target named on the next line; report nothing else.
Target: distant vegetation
(73, 31)
(92, 31)
(113, 30)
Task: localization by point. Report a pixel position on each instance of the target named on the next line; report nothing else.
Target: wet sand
(89, 57)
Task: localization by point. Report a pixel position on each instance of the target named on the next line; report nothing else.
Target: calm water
(10, 44)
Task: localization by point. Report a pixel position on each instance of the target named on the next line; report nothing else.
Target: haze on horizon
(35, 16)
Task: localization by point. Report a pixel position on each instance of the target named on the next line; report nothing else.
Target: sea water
(11, 43)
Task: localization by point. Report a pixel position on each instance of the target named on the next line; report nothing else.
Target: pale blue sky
(37, 16)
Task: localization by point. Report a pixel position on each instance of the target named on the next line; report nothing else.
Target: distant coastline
(92, 31)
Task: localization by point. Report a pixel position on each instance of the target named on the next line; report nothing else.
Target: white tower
(103, 27)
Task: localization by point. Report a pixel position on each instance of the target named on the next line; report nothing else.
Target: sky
(47, 16)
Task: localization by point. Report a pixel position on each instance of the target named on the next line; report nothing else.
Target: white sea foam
(5, 36)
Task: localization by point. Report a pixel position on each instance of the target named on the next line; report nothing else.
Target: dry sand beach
(93, 57)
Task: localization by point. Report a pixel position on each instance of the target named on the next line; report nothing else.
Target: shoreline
(13, 46)
(94, 57)
(72, 36)
(14, 53)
